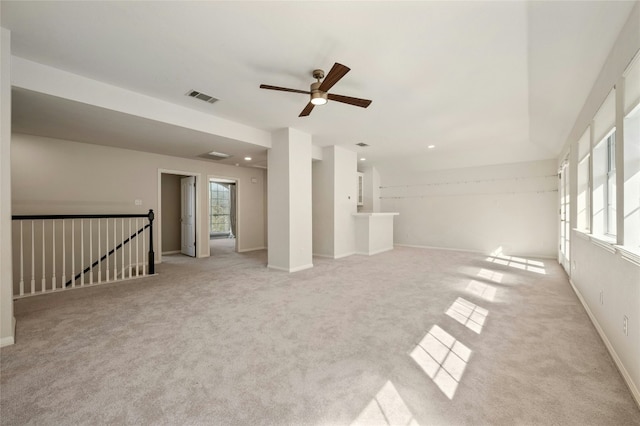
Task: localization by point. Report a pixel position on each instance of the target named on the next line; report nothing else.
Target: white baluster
(33, 260)
(64, 255)
(122, 246)
(144, 255)
(73, 252)
(43, 282)
(99, 254)
(90, 251)
(54, 285)
(81, 252)
(21, 262)
(137, 248)
(130, 246)
(115, 258)
(107, 253)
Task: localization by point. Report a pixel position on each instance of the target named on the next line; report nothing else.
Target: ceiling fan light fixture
(319, 98)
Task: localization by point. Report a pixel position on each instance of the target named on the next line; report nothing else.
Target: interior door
(188, 216)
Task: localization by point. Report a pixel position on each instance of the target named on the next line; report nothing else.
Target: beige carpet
(412, 336)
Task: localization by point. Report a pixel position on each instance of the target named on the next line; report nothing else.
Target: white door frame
(198, 209)
(229, 180)
(188, 216)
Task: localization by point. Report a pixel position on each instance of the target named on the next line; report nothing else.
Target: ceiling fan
(318, 90)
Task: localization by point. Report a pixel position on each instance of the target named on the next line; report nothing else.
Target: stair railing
(83, 249)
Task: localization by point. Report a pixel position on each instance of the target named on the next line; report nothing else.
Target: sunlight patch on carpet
(443, 358)
(521, 263)
(386, 408)
(494, 276)
(480, 289)
(468, 314)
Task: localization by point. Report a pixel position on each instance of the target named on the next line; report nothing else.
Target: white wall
(513, 206)
(52, 176)
(322, 202)
(596, 270)
(370, 189)
(597, 266)
(7, 321)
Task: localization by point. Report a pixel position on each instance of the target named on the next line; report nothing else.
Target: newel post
(152, 267)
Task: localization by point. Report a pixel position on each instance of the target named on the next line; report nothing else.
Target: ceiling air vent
(362, 144)
(214, 155)
(201, 96)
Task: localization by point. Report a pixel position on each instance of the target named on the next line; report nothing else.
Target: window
(610, 193)
(220, 216)
(584, 183)
(631, 202)
(565, 208)
(604, 187)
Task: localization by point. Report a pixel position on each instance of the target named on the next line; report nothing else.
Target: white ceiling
(486, 82)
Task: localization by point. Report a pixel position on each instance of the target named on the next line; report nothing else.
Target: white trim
(374, 252)
(343, 255)
(244, 250)
(603, 242)
(165, 253)
(439, 248)
(629, 255)
(299, 268)
(616, 359)
(582, 233)
(535, 256)
(158, 210)
(9, 340)
(327, 256)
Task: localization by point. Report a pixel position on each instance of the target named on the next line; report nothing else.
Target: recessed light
(431, 146)
(363, 159)
(247, 158)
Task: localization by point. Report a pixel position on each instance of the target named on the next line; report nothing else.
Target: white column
(345, 195)
(289, 201)
(335, 191)
(7, 321)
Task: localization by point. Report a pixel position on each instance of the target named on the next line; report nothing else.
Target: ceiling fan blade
(283, 89)
(335, 74)
(307, 110)
(363, 103)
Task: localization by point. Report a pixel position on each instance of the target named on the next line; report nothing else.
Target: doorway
(223, 213)
(177, 213)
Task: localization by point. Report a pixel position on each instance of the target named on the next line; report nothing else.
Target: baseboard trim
(363, 253)
(327, 256)
(251, 249)
(296, 269)
(340, 256)
(614, 355)
(166, 253)
(536, 256)
(9, 340)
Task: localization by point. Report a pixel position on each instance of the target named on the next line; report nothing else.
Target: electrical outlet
(138, 202)
(625, 325)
